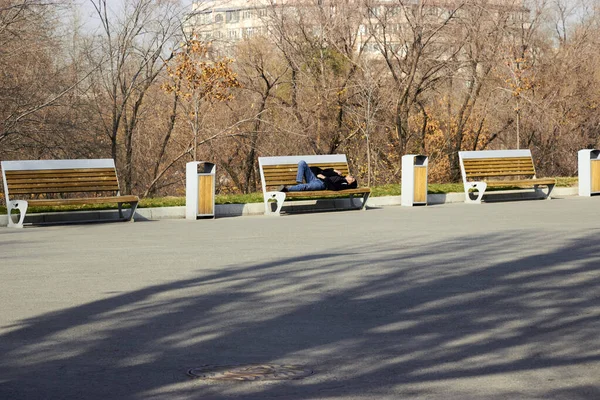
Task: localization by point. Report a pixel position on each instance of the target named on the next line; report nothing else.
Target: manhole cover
(250, 372)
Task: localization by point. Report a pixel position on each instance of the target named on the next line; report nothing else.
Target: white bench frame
(280, 197)
(30, 165)
(481, 186)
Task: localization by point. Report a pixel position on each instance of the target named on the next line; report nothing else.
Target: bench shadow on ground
(494, 195)
(414, 319)
(75, 217)
(305, 206)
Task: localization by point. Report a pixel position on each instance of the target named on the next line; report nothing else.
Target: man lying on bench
(319, 179)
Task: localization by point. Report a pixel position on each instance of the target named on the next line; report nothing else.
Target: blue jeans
(312, 182)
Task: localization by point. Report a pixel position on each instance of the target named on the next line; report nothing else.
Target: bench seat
(330, 193)
(80, 201)
(499, 168)
(522, 183)
(281, 170)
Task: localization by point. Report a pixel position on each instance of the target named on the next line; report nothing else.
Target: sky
(88, 12)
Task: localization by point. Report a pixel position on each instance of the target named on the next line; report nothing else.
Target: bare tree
(485, 29)
(320, 46)
(261, 73)
(131, 53)
(416, 45)
(32, 75)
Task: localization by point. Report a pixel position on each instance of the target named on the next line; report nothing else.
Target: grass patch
(394, 189)
(377, 191)
(567, 181)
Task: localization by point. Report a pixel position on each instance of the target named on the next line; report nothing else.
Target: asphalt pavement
(454, 301)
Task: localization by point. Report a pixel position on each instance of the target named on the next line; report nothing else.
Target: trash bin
(414, 179)
(199, 189)
(589, 172)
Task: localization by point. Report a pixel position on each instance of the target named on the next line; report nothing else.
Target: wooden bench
(276, 171)
(61, 183)
(499, 168)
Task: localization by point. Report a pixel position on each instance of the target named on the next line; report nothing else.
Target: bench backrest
(496, 163)
(39, 177)
(281, 170)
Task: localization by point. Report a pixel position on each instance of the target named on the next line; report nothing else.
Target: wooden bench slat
(274, 176)
(63, 189)
(31, 177)
(483, 161)
(78, 201)
(288, 175)
(507, 167)
(57, 182)
(318, 164)
(92, 171)
(495, 165)
(53, 178)
(288, 182)
(522, 183)
(501, 173)
(45, 178)
(322, 193)
(498, 165)
(293, 168)
(500, 168)
(494, 174)
(497, 160)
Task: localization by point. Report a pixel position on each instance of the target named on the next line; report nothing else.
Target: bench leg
(541, 193)
(479, 186)
(279, 197)
(21, 205)
(365, 198)
(363, 205)
(133, 206)
(550, 188)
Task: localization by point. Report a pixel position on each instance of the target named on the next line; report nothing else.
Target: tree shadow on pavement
(385, 322)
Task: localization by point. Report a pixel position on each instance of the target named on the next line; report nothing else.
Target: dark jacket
(332, 180)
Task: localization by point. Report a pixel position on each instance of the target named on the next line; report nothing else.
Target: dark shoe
(282, 188)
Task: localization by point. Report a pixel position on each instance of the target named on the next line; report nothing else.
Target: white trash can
(414, 179)
(199, 189)
(589, 172)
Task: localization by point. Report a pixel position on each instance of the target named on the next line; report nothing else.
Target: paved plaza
(455, 301)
